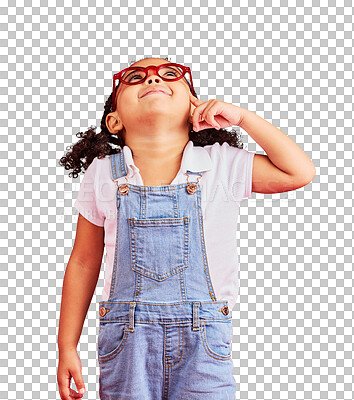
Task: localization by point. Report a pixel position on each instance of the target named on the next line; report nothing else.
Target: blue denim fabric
(163, 334)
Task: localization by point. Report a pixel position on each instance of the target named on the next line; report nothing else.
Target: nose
(152, 73)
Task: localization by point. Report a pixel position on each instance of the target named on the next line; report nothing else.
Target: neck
(156, 149)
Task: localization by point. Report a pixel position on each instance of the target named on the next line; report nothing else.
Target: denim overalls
(163, 334)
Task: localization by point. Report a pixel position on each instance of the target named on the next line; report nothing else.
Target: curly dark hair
(99, 145)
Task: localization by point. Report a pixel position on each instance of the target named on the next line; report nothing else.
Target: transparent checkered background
(290, 64)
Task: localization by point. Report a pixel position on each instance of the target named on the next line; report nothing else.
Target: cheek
(124, 100)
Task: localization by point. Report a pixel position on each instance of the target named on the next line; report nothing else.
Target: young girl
(165, 205)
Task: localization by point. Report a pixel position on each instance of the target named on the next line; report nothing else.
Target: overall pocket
(159, 246)
(217, 338)
(111, 340)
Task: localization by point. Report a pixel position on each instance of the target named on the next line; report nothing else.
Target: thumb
(79, 382)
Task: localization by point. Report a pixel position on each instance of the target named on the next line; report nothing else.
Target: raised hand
(214, 114)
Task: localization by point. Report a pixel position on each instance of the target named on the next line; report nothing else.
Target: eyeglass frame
(156, 68)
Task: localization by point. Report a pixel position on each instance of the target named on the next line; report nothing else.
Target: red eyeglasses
(135, 75)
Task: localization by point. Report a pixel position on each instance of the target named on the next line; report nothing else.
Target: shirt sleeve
(248, 173)
(86, 201)
(239, 166)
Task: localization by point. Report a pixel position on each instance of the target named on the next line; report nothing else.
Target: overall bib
(163, 335)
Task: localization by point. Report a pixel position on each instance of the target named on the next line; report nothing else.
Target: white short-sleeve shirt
(226, 180)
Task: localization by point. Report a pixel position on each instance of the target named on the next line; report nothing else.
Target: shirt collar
(194, 159)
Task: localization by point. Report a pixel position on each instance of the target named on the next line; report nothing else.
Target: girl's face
(174, 107)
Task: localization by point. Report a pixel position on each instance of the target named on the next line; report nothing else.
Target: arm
(286, 166)
(79, 284)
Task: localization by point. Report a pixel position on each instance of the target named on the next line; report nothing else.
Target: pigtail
(210, 136)
(92, 145)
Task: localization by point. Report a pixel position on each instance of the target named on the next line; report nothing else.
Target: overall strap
(196, 320)
(191, 173)
(118, 165)
(192, 186)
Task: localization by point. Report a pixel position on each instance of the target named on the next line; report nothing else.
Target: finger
(208, 115)
(197, 116)
(194, 100)
(64, 388)
(79, 382)
(75, 395)
(211, 104)
(211, 122)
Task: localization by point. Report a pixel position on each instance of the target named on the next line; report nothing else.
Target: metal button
(103, 311)
(225, 310)
(191, 188)
(123, 189)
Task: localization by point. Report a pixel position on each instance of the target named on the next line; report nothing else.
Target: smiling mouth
(155, 93)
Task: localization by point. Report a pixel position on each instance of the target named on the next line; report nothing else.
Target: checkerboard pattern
(289, 63)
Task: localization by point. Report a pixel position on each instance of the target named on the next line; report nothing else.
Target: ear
(113, 123)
